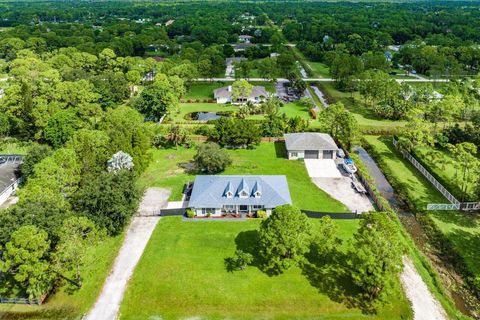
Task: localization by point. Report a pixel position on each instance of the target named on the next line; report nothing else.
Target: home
(245, 38)
(221, 195)
(224, 95)
(310, 145)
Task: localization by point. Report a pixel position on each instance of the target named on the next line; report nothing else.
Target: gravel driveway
(424, 304)
(108, 303)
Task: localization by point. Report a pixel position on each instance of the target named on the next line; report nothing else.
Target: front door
(243, 208)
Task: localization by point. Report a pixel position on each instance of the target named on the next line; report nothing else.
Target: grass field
(444, 170)
(186, 108)
(65, 305)
(366, 118)
(463, 229)
(267, 158)
(182, 275)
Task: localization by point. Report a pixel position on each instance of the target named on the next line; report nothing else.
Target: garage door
(311, 154)
(327, 154)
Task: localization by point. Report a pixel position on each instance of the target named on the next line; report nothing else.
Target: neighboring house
(242, 46)
(310, 145)
(219, 195)
(245, 38)
(224, 95)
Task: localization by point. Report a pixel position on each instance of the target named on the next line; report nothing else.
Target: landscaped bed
(268, 158)
(182, 274)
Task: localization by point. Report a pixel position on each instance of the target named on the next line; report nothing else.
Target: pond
(206, 116)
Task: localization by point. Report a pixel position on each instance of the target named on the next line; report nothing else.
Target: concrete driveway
(108, 303)
(327, 176)
(322, 168)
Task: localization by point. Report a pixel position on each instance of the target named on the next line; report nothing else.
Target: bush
(239, 261)
(190, 213)
(211, 159)
(262, 214)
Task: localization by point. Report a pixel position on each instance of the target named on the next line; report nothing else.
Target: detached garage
(310, 145)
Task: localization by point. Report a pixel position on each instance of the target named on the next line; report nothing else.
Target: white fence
(454, 203)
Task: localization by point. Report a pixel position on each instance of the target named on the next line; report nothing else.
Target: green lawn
(294, 109)
(366, 118)
(186, 108)
(267, 158)
(204, 90)
(463, 229)
(182, 275)
(64, 305)
(445, 171)
(320, 69)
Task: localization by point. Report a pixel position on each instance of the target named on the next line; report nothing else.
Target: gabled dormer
(243, 190)
(228, 192)
(257, 190)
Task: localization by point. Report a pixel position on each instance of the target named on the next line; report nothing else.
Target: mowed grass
(266, 159)
(445, 170)
(186, 108)
(365, 117)
(66, 305)
(204, 90)
(182, 275)
(462, 228)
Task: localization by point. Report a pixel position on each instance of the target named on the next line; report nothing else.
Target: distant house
(219, 195)
(310, 145)
(242, 46)
(245, 38)
(224, 95)
(169, 22)
(9, 175)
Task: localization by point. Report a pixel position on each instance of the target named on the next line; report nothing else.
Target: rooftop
(309, 141)
(214, 191)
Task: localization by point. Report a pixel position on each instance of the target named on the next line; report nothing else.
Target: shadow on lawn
(38, 312)
(326, 272)
(280, 150)
(462, 219)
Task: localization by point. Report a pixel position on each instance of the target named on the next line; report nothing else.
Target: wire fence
(454, 204)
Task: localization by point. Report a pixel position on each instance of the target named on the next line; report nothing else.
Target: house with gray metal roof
(224, 95)
(310, 145)
(219, 195)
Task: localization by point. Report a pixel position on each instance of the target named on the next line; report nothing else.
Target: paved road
(313, 79)
(320, 96)
(108, 303)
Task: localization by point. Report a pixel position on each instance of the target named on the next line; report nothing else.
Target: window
(229, 194)
(243, 194)
(258, 194)
(208, 210)
(293, 154)
(243, 208)
(257, 207)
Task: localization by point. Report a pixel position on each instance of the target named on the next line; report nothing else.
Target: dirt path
(138, 234)
(425, 306)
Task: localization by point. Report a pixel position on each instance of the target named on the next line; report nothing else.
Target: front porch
(231, 210)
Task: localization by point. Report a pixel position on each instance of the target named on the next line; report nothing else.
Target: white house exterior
(310, 145)
(245, 38)
(224, 95)
(220, 195)
(9, 175)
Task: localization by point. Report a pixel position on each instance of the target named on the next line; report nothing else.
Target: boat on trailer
(349, 166)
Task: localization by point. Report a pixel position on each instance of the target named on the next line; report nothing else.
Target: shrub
(262, 214)
(190, 213)
(239, 261)
(211, 159)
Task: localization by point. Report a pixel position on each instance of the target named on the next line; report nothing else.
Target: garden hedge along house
(224, 95)
(310, 145)
(220, 195)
